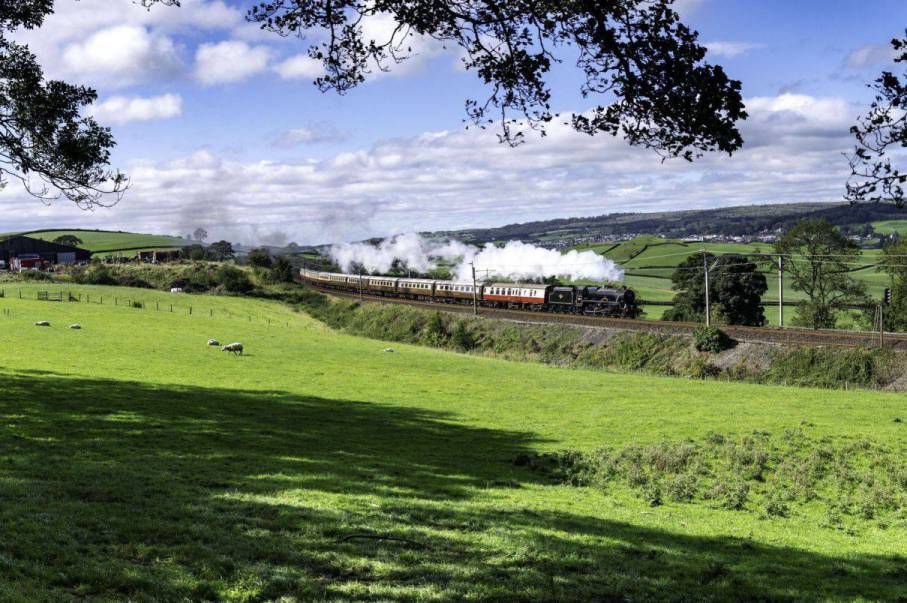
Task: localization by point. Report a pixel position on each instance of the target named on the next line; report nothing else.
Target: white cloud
(231, 61)
(444, 180)
(730, 49)
(123, 109)
(120, 55)
(315, 133)
(871, 55)
(300, 66)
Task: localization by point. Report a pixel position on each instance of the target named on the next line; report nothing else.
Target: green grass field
(111, 241)
(137, 463)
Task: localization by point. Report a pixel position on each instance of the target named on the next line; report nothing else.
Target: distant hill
(102, 242)
(728, 221)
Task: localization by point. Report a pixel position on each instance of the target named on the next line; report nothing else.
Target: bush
(138, 304)
(98, 274)
(282, 271)
(701, 368)
(260, 258)
(824, 367)
(233, 279)
(710, 339)
(462, 338)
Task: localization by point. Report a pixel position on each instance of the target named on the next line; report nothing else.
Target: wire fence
(137, 303)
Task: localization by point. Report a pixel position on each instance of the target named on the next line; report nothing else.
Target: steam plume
(515, 260)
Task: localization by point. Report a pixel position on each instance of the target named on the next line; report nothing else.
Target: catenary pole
(705, 270)
(780, 291)
(475, 293)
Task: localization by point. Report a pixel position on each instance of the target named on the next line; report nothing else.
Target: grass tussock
(846, 485)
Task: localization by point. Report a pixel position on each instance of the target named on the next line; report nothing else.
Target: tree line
(817, 260)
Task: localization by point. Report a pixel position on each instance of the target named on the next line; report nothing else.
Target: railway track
(775, 335)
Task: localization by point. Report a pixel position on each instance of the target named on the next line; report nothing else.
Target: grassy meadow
(137, 463)
(106, 241)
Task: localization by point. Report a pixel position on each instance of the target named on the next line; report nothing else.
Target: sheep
(213, 342)
(42, 323)
(75, 326)
(389, 350)
(176, 290)
(236, 348)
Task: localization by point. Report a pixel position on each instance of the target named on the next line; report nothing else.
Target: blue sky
(219, 126)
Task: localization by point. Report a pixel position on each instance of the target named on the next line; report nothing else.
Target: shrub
(700, 368)
(282, 271)
(824, 367)
(233, 279)
(461, 338)
(96, 275)
(435, 331)
(710, 339)
(138, 304)
(260, 258)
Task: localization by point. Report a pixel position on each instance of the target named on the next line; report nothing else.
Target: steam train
(588, 300)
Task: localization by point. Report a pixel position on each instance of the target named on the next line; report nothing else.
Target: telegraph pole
(780, 291)
(475, 293)
(705, 269)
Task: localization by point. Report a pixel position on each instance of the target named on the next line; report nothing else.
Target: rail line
(773, 335)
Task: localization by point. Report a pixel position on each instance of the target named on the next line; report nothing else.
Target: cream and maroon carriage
(451, 292)
(515, 295)
(416, 288)
(381, 285)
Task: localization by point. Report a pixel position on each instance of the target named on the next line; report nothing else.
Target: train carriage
(416, 288)
(452, 292)
(382, 285)
(516, 295)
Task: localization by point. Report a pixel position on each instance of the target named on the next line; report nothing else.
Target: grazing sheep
(75, 326)
(176, 290)
(236, 348)
(213, 342)
(42, 323)
(389, 350)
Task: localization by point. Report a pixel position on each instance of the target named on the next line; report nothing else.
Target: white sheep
(176, 290)
(42, 323)
(236, 348)
(213, 342)
(75, 326)
(389, 350)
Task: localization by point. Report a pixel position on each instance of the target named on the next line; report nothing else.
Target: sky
(219, 126)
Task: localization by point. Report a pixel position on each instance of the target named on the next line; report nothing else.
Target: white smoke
(515, 260)
(412, 250)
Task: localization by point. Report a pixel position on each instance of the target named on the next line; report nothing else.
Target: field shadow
(114, 489)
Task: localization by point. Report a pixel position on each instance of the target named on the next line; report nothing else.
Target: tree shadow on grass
(119, 490)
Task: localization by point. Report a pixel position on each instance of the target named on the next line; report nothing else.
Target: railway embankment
(603, 348)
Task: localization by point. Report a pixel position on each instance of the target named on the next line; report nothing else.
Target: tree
(283, 271)
(895, 265)
(200, 234)
(660, 91)
(735, 290)
(47, 141)
(882, 130)
(194, 252)
(68, 239)
(220, 251)
(260, 258)
(817, 262)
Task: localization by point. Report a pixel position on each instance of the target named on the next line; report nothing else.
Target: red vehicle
(28, 262)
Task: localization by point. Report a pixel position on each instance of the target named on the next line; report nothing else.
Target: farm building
(22, 253)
